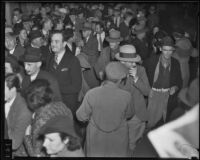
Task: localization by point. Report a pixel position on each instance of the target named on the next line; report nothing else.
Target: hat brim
(183, 98)
(114, 40)
(23, 59)
(137, 59)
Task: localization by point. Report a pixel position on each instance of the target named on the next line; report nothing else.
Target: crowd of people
(91, 80)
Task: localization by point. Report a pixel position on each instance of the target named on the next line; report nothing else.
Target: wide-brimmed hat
(167, 41)
(59, 124)
(87, 26)
(190, 95)
(114, 36)
(115, 71)
(184, 47)
(35, 34)
(128, 53)
(32, 55)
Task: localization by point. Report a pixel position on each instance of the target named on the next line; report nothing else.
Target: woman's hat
(60, 124)
(116, 71)
(32, 55)
(128, 53)
(114, 36)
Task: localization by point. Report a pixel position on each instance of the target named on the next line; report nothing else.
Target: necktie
(55, 65)
(100, 43)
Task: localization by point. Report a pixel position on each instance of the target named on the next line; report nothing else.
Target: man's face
(16, 16)
(57, 43)
(167, 51)
(9, 93)
(32, 67)
(129, 64)
(37, 42)
(98, 28)
(114, 45)
(86, 33)
(8, 68)
(53, 143)
(49, 25)
(10, 43)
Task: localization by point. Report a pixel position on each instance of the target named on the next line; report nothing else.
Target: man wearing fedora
(108, 53)
(164, 76)
(90, 47)
(138, 85)
(107, 109)
(32, 62)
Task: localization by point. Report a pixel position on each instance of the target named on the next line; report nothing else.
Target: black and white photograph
(100, 79)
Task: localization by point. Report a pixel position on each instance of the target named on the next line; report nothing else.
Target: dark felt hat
(60, 124)
(35, 34)
(32, 55)
(168, 41)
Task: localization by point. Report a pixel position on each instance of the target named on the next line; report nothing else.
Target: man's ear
(39, 64)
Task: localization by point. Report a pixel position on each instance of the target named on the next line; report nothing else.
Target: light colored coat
(106, 108)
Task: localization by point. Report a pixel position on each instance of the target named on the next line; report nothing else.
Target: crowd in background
(92, 80)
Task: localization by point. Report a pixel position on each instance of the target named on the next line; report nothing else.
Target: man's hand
(173, 90)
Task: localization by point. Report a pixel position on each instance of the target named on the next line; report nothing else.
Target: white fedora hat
(128, 53)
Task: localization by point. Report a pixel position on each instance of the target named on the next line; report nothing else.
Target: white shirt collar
(8, 106)
(69, 45)
(60, 55)
(33, 77)
(19, 21)
(12, 51)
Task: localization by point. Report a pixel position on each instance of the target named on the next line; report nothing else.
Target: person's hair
(66, 35)
(38, 94)
(12, 80)
(18, 10)
(13, 63)
(101, 25)
(128, 14)
(74, 142)
(59, 32)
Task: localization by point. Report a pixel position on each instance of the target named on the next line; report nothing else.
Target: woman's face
(53, 143)
(23, 34)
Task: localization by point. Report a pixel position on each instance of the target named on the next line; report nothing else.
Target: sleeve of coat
(76, 78)
(85, 110)
(23, 120)
(143, 83)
